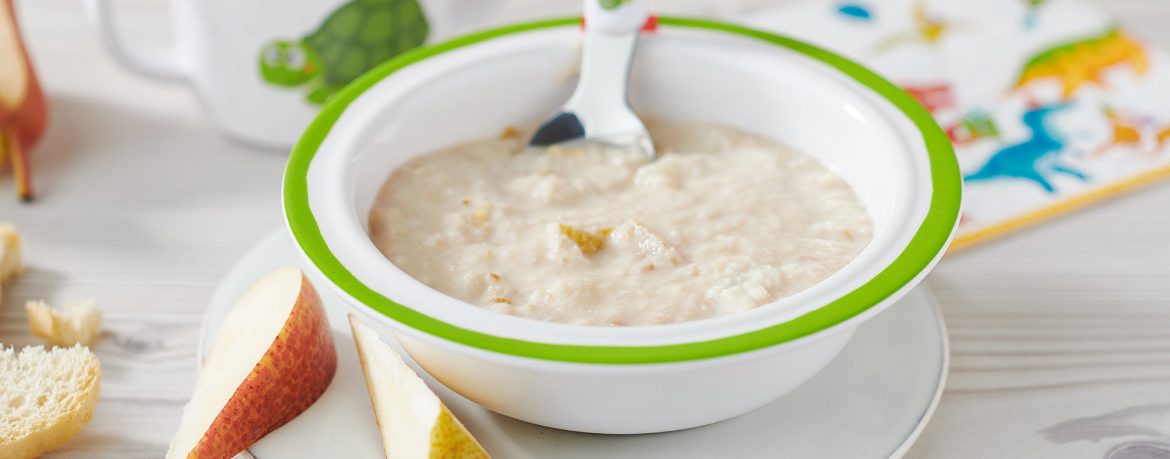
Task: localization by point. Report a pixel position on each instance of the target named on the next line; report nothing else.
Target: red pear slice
(272, 358)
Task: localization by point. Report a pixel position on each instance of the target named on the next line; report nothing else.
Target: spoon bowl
(598, 112)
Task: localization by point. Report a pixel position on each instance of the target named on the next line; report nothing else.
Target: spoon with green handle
(598, 111)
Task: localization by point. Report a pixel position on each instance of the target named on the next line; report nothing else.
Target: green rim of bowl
(928, 242)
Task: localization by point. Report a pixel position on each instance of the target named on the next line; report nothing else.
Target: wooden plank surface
(1061, 334)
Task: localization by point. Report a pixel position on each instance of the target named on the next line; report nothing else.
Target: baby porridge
(722, 222)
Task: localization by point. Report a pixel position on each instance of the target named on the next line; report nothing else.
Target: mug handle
(150, 63)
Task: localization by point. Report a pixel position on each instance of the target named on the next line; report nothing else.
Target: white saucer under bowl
(870, 402)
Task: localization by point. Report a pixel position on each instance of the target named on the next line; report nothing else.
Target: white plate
(870, 402)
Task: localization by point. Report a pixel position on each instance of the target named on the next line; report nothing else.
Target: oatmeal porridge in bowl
(723, 222)
(800, 196)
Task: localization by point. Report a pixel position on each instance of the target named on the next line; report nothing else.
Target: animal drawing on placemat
(934, 98)
(1034, 159)
(356, 37)
(974, 126)
(1129, 132)
(855, 11)
(1126, 132)
(928, 29)
(1083, 61)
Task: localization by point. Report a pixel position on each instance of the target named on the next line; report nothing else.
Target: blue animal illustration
(855, 11)
(1033, 159)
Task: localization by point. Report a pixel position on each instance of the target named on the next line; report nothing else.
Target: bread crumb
(501, 300)
(80, 322)
(10, 259)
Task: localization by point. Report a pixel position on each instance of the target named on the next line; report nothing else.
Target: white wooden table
(1061, 334)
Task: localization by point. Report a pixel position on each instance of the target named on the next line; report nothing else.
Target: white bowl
(625, 379)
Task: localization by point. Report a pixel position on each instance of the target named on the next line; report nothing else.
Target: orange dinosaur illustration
(22, 104)
(1083, 61)
(1126, 132)
(1131, 132)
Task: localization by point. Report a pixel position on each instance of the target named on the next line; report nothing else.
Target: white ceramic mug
(262, 68)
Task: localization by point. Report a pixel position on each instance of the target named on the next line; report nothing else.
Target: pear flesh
(414, 423)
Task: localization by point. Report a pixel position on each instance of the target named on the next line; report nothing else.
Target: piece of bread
(80, 322)
(10, 259)
(47, 397)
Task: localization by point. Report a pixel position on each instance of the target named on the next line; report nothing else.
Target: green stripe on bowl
(928, 242)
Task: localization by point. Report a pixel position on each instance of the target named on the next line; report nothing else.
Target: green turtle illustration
(353, 39)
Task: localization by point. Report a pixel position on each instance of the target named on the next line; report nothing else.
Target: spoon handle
(598, 111)
(606, 55)
(615, 16)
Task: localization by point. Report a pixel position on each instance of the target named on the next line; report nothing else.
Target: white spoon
(598, 111)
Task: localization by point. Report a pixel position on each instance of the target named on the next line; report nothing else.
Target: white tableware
(625, 379)
(224, 47)
(869, 403)
(599, 110)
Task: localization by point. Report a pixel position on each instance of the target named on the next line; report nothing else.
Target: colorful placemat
(1051, 104)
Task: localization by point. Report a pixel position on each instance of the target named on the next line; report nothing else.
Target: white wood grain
(1061, 334)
